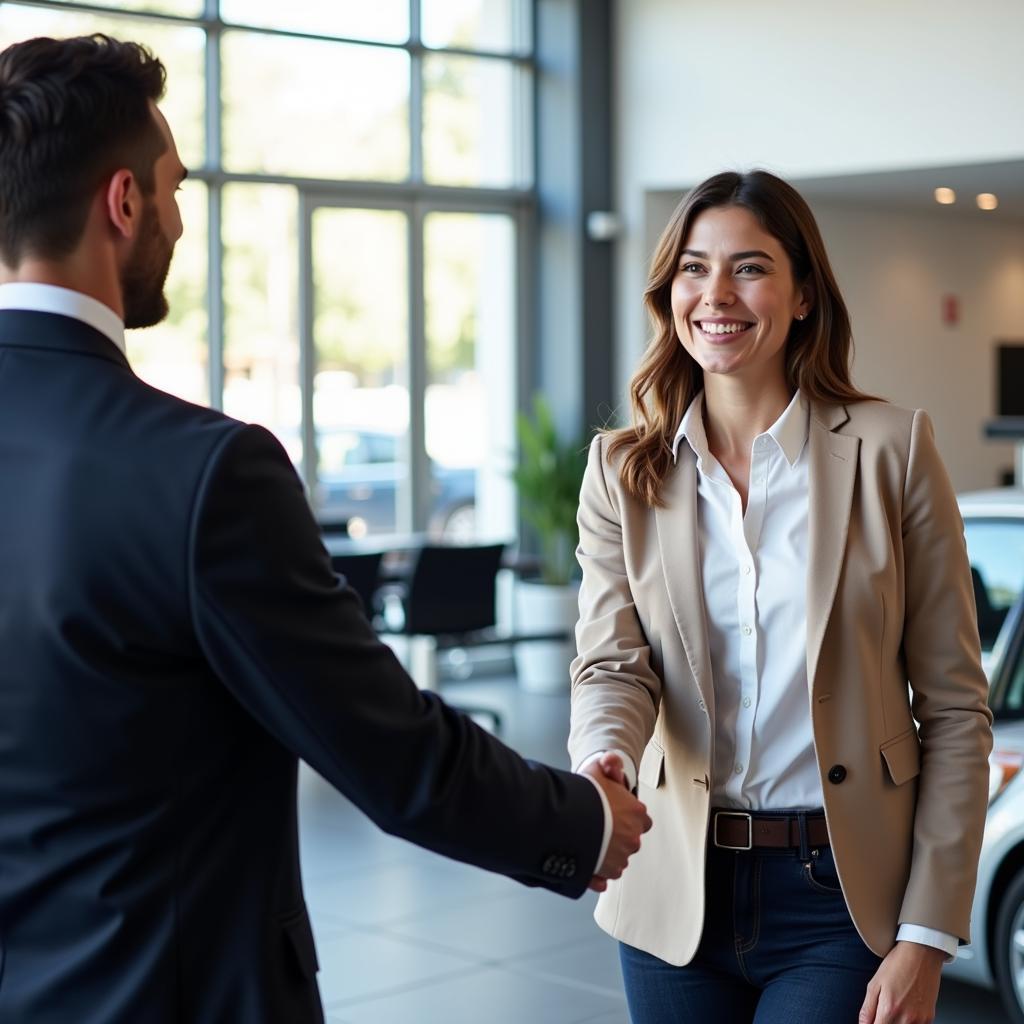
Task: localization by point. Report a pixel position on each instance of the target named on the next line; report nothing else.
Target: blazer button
(836, 774)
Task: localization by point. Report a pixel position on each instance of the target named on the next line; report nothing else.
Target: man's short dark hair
(72, 112)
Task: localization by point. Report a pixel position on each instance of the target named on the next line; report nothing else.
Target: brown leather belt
(740, 830)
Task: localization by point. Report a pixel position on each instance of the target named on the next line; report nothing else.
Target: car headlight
(1003, 766)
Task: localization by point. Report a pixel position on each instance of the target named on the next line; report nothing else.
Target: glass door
(355, 345)
(409, 368)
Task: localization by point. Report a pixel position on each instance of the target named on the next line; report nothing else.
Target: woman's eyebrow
(735, 256)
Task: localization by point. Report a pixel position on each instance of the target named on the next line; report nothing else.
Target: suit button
(836, 774)
(550, 866)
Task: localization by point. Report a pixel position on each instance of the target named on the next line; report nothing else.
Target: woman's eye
(750, 268)
(691, 268)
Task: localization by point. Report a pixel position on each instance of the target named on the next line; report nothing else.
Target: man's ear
(123, 202)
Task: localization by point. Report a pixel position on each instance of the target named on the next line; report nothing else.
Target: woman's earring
(800, 316)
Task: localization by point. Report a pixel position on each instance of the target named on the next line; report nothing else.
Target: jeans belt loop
(805, 846)
(735, 814)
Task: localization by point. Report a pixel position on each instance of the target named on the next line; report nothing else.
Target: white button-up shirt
(754, 572)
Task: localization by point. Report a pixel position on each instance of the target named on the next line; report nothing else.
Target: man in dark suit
(172, 638)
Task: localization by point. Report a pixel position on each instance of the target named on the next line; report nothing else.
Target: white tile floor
(406, 937)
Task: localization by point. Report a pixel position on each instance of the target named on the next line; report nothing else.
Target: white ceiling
(914, 189)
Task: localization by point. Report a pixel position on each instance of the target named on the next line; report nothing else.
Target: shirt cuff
(628, 767)
(607, 838)
(929, 937)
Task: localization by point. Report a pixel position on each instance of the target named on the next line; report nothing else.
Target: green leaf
(549, 475)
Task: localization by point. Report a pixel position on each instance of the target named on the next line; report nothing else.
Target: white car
(994, 526)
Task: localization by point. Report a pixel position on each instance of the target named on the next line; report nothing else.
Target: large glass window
(360, 390)
(499, 25)
(360, 175)
(314, 108)
(470, 288)
(261, 315)
(385, 21)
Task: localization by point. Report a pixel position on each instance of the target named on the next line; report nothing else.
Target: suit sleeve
(293, 646)
(949, 695)
(615, 690)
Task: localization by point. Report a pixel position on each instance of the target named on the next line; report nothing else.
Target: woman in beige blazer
(769, 558)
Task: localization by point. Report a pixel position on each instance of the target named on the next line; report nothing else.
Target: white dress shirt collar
(789, 431)
(49, 298)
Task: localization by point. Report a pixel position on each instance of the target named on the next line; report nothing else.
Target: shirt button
(738, 769)
(747, 631)
(746, 570)
(700, 704)
(746, 702)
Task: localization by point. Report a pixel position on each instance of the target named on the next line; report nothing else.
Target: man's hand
(629, 822)
(612, 768)
(905, 987)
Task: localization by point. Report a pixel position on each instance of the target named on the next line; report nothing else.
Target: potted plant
(548, 476)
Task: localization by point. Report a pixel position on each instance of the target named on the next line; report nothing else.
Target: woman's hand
(905, 987)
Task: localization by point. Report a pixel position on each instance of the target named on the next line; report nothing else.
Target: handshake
(629, 818)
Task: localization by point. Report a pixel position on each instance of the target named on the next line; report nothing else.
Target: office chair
(447, 599)
(362, 574)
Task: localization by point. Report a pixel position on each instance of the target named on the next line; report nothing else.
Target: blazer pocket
(652, 766)
(902, 755)
(299, 935)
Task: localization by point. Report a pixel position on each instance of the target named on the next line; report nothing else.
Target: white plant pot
(543, 666)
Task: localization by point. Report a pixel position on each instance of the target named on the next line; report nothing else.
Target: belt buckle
(750, 829)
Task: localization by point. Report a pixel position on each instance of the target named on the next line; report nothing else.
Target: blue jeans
(779, 947)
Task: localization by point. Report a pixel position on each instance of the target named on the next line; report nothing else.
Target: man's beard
(144, 274)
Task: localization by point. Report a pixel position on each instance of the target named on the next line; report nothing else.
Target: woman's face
(733, 295)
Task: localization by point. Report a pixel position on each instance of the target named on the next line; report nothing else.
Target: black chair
(449, 595)
(334, 527)
(362, 574)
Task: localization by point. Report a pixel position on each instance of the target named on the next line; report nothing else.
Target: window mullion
(415, 95)
(215, 246)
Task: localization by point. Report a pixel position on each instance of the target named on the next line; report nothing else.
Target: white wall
(893, 270)
(807, 88)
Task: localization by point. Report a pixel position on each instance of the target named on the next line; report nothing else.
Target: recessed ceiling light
(945, 196)
(986, 201)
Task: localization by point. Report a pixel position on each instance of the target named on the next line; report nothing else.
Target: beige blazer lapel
(833, 473)
(679, 544)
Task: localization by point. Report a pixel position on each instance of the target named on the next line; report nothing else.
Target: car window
(996, 550)
(380, 448)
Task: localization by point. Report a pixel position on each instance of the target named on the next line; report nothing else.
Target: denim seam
(741, 948)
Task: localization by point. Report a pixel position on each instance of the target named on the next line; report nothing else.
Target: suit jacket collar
(679, 544)
(832, 478)
(28, 329)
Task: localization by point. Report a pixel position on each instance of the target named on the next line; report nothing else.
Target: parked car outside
(360, 473)
(994, 527)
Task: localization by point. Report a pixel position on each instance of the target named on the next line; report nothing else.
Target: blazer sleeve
(290, 641)
(949, 695)
(615, 690)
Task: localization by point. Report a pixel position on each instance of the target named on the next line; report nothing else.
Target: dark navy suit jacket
(172, 640)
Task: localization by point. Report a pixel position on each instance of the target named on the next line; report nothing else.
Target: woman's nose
(717, 292)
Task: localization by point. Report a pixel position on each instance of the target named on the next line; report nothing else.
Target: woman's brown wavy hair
(818, 349)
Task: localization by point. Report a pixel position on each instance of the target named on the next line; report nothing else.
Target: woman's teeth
(722, 328)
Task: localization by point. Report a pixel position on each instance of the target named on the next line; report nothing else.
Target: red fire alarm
(950, 310)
